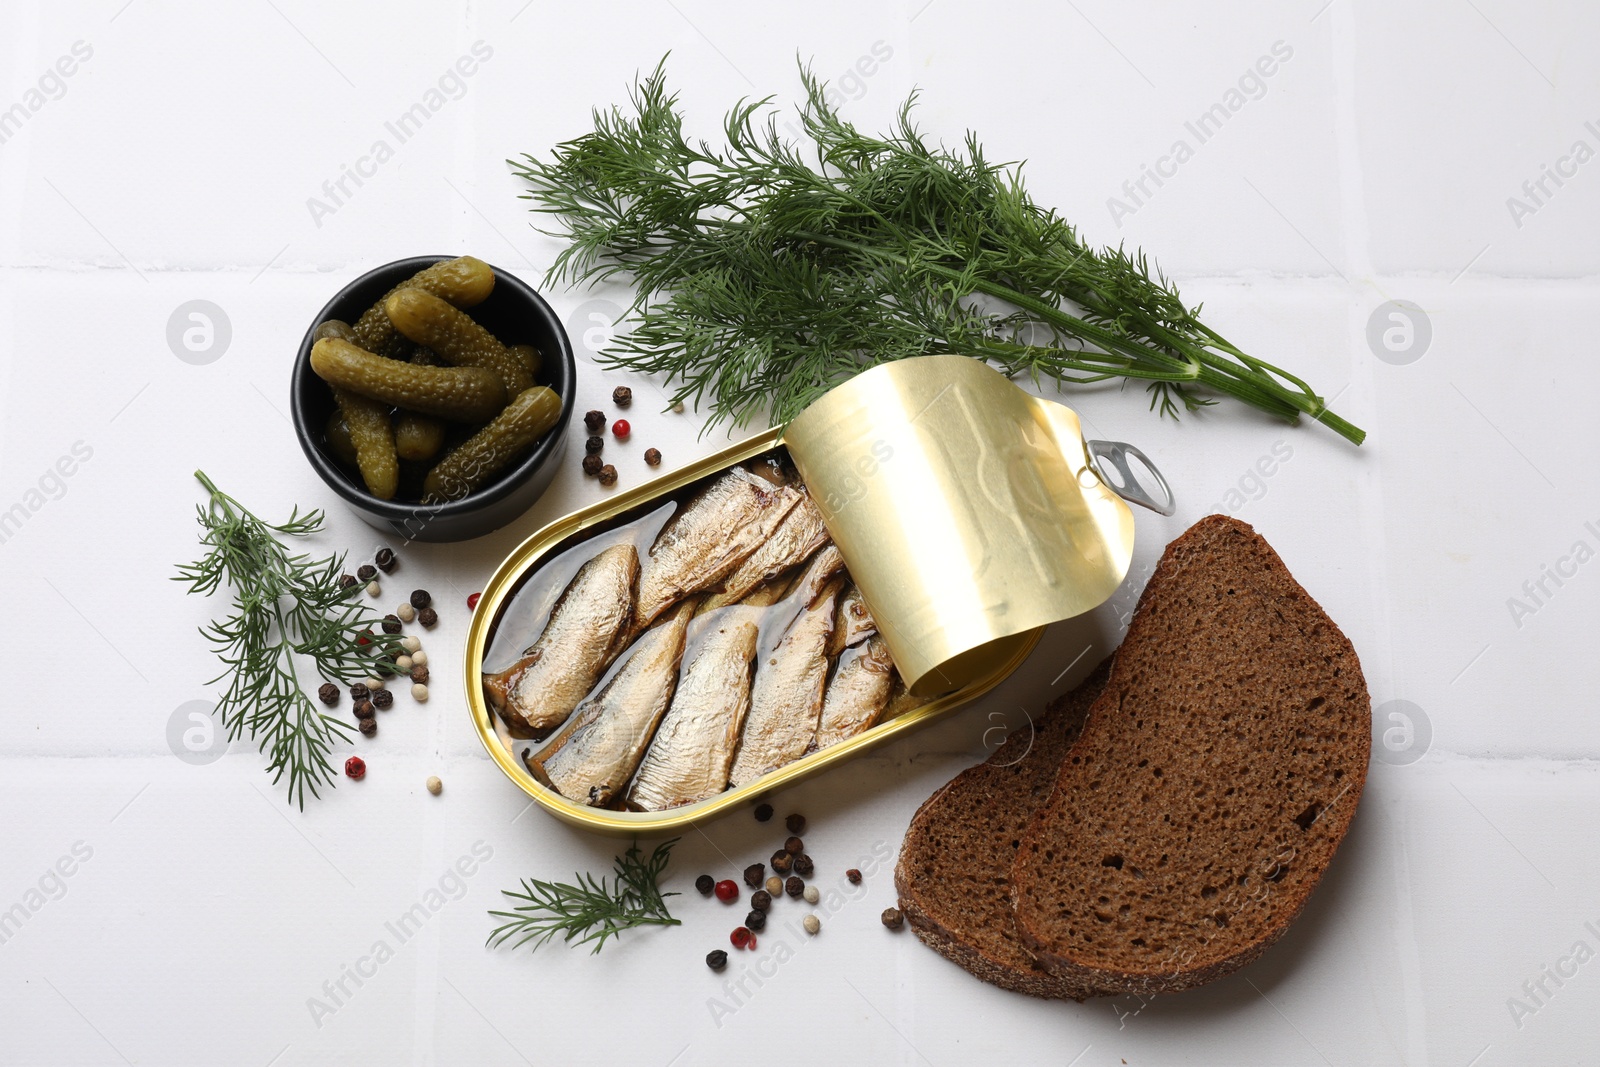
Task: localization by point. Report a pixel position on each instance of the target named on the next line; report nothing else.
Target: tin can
(969, 514)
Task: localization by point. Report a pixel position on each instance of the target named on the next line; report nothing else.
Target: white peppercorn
(411, 644)
(419, 693)
(434, 785)
(374, 589)
(812, 924)
(811, 895)
(419, 658)
(406, 613)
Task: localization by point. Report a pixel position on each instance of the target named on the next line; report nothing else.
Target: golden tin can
(969, 514)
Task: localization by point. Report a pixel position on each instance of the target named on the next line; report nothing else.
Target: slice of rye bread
(1215, 777)
(954, 872)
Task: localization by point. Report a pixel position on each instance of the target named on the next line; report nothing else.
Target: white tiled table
(203, 914)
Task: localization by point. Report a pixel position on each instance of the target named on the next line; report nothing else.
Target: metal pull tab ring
(1127, 484)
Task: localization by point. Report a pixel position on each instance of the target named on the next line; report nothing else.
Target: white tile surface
(1375, 163)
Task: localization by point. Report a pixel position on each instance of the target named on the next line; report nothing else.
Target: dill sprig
(592, 909)
(284, 607)
(766, 274)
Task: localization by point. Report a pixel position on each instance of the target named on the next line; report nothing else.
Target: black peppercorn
(368, 727)
(382, 699)
(795, 886)
(419, 676)
(594, 421)
(364, 709)
(761, 900)
(359, 691)
(592, 465)
(421, 598)
(754, 875)
(593, 445)
(391, 624)
(622, 396)
(716, 959)
(329, 693)
(756, 920)
(854, 876)
(892, 918)
(796, 824)
(347, 582)
(794, 846)
(705, 883)
(385, 560)
(652, 456)
(802, 865)
(608, 475)
(782, 861)
(763, 812)
(428, 617)
(366, 572)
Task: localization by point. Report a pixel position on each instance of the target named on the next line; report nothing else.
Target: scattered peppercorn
(608, 475)
(727, 891)
(794, 846)
(347, 582)
(419, 693)
(594, 421)
(434, 785)
(368, 727)
(428, 617)
(329, 693)
(412, 645)
(761, 900)
(364, 638)
(677, 407)
(364, 709)
(366, 572)
(472, 601)
(812, 924)
(854, 876)
(811, 894)
(756, 920)
(794, 886)
(382, 699)
(385, 560)
(374, 683)
(716, 959)
(754, 874)
(763, 812)
(406, 612)
(742, 937)
(796, 824)
(782, 862)
(419, 675)
(802, 865)
(355, 767)
(359, 691)
(592, 465)
(391, 624)
(892, 918)
(705, 883)
(620, 429)
(652, 456)
(622, 396)
(374, 590)
(774, 886)
(421, 598)
(593, 445)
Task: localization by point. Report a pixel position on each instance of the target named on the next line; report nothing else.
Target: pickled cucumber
(336, 328)
(337, 434)
(371, 436)
(526, 419)
(528, 356)
(459, 394)
(465, 282)
(454, 336)
(417, 437)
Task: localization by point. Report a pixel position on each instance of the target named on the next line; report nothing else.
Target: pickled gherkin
(465, 282)
(459, 394)
(337, 433)
(453, 335)
(372, 437)
(417, 437)
(528, 356)
(524, 421)
(335, 328)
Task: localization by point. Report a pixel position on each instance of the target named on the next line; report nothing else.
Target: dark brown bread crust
(1216, 776)
(955, 864)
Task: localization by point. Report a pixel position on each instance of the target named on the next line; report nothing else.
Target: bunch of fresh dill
(593, 909)
(285, 607)
(766, 274)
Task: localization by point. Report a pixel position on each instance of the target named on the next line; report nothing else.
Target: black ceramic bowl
(516, 315)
